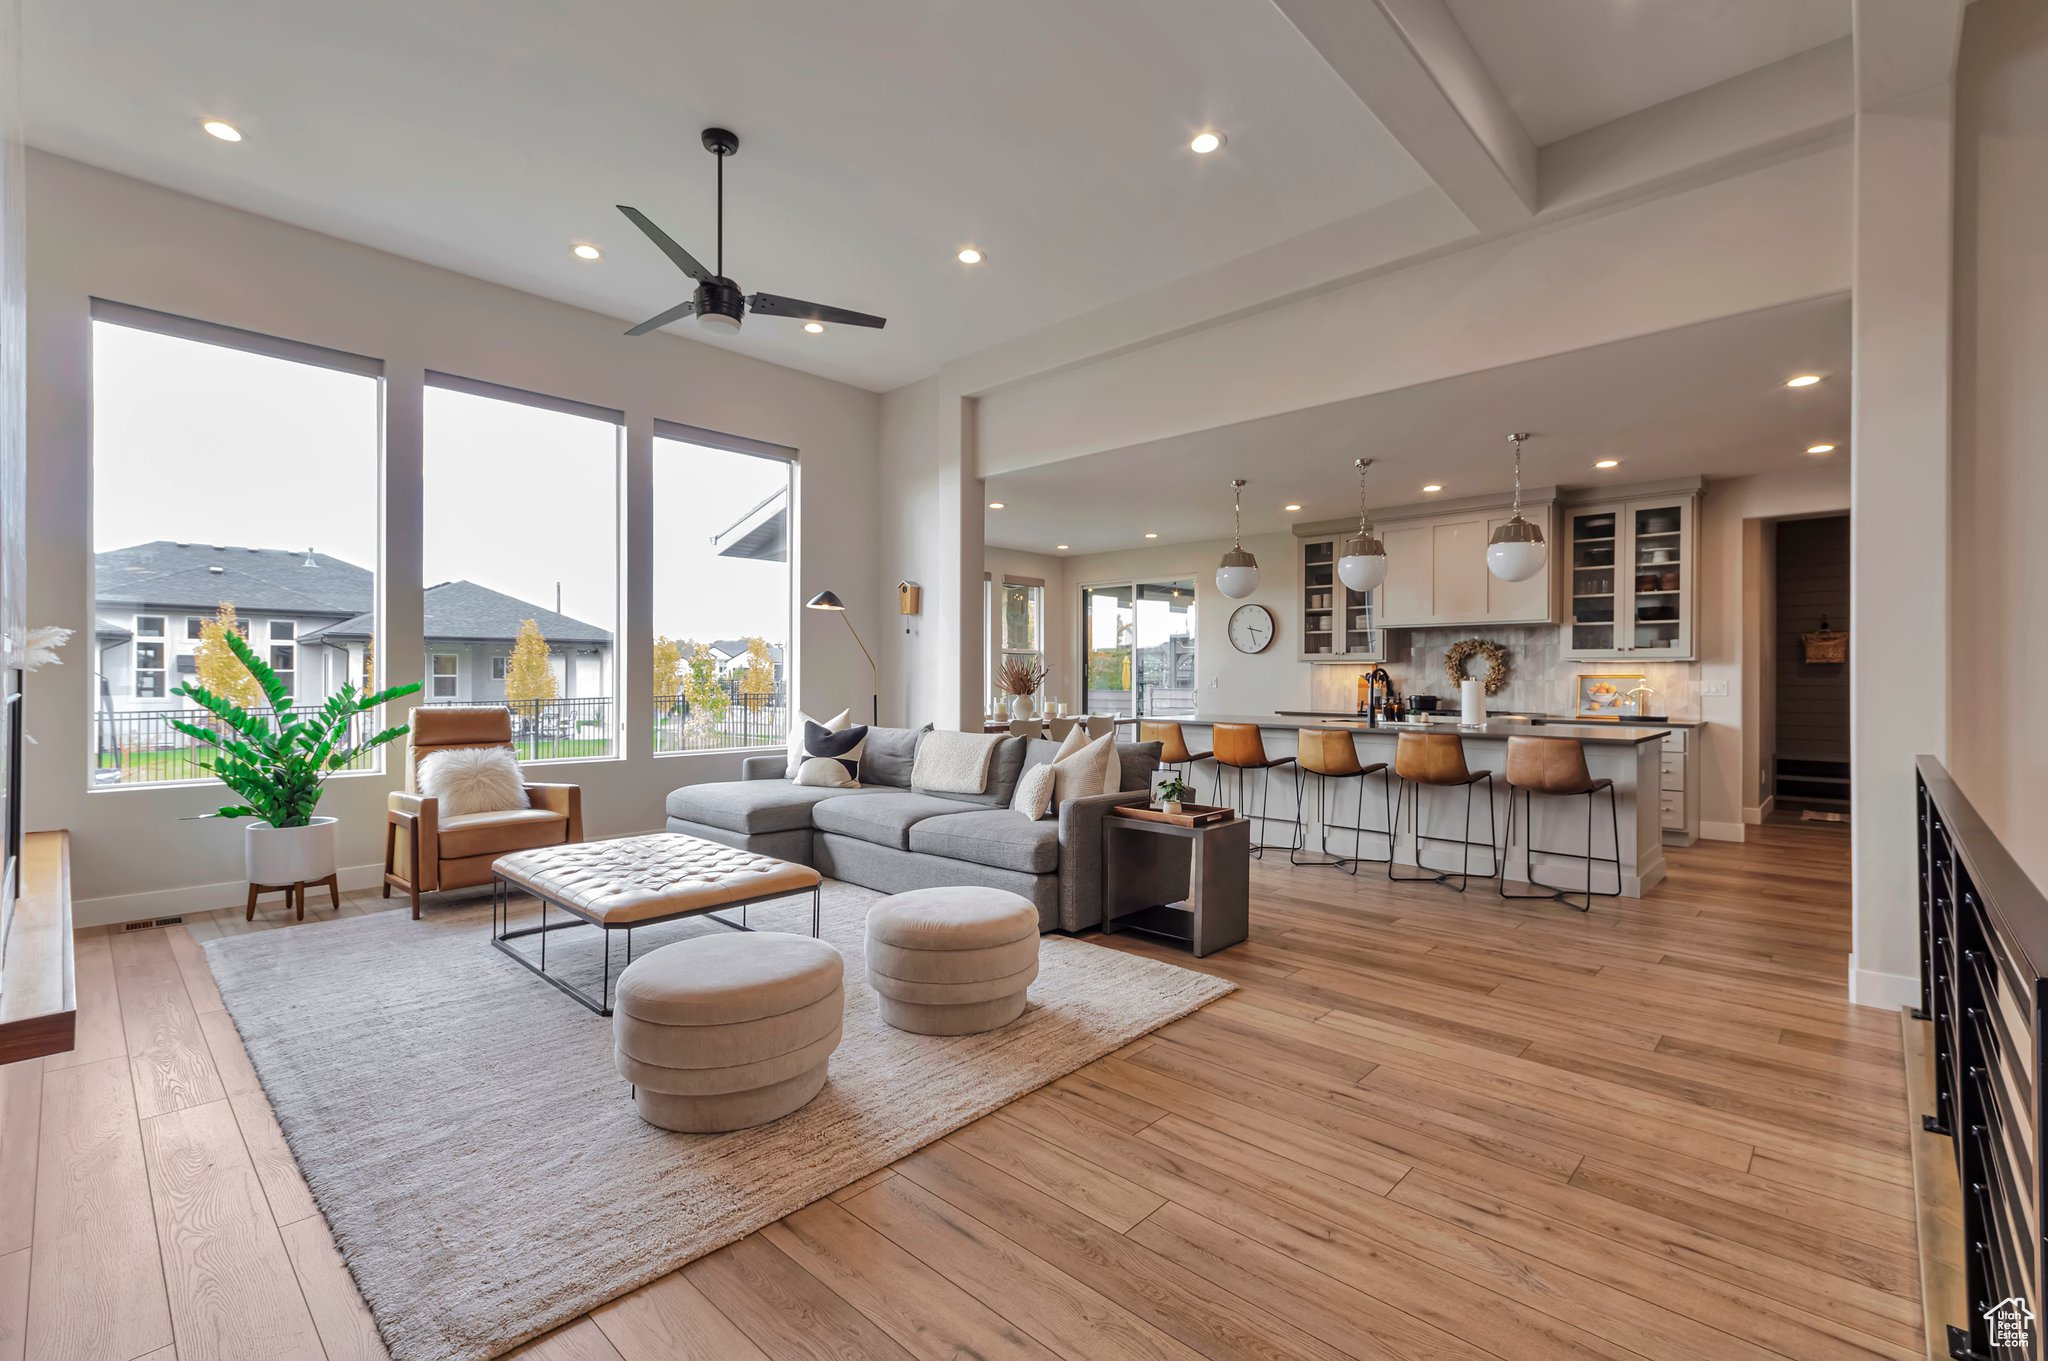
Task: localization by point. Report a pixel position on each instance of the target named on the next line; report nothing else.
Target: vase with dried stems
(1019, 679)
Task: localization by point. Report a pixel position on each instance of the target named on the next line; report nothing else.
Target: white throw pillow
(1085, 774)
(473, 780)
(1034, 791)
(796, 736)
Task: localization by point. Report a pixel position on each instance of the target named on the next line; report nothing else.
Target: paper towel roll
(1472, 702)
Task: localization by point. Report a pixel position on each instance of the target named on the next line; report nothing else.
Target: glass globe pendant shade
(1516, 551)
(1364, 564)
(1237, 576)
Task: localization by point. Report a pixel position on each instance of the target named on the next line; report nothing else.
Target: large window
(520, 556)
(1013, 610)
(722, 606)
(1138, 641)
(234, 476)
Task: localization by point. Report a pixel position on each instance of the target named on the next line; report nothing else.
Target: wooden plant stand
(295, 895)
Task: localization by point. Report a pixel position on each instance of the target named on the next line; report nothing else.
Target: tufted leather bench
(635, 881)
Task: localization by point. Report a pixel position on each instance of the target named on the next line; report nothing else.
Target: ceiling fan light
(1364, 564)
(1516, 551)
(718, 323)
(1237, 575)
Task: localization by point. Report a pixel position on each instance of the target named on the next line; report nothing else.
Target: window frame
(195, 625)
(160, 670)
(678, 432)
(434, 676)
(161, 630)
(996, 649)
(1134, 585)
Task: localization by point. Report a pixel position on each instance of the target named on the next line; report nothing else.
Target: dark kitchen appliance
(1424, 704)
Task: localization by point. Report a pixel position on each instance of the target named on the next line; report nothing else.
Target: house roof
(464, 612)
(733, 648)
(199, 576)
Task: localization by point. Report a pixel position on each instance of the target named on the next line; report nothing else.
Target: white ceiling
(877, 138)
(1569, 65)
(1707, 399)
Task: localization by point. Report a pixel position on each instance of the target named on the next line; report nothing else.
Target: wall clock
(1251, 628)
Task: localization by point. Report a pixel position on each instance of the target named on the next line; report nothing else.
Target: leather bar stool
(1436, 760)
(1330, 754)
(1173, 747)
(1239, 748)
(1555, 767)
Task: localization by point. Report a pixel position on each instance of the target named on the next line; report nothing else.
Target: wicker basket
(1826, 645)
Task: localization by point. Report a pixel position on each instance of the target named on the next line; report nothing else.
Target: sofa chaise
(885, 835)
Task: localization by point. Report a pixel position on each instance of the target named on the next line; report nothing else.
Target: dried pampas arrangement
(1015, 677)
(41, 647)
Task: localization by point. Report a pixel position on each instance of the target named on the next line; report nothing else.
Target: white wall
(96, 234)
(1998, 660)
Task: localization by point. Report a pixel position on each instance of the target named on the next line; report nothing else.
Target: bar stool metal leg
(1464, 876)
(1558, 893)
(1349, 864)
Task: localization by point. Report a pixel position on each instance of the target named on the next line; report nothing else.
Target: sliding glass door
(1138, 644)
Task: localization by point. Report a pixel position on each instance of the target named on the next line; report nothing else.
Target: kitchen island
(1629, 756)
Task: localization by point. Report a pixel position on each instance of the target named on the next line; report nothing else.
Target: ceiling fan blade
(661, 319)
(774, 305)
(684, 261)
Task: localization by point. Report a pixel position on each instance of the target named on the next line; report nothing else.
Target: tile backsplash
(1540, 679)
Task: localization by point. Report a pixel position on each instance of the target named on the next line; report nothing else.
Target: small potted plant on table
(277, 763)
(1172, 792)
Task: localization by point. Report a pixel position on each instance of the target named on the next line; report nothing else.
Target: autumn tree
(759, 681)
(528, 675)
(668, 669)
(702, 692)
(217, 667)
(370, 664)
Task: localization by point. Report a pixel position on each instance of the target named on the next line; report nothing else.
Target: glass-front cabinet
(1338, 624)
(1630, 586)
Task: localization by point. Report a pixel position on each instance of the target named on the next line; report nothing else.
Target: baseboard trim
(1724, 831)
(192, 898)
(1868, 988)
(1756, 817)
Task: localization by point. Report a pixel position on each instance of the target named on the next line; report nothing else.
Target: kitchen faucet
(1377, 682)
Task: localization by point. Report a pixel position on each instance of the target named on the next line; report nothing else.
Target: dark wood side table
(1216, 858)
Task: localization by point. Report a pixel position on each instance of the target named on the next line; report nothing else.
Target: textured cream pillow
(1034, 791)
(797, 755)
(1086, 773)
(473, 780)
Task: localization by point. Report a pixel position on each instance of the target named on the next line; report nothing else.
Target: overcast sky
(202, 444)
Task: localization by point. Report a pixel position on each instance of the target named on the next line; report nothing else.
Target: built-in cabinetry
(1629, 575)
(1436, 572)
(1338, 624)
(1677, 793)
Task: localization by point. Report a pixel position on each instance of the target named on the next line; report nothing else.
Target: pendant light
(1237, 576)
(1364, 564)
(1516, 551)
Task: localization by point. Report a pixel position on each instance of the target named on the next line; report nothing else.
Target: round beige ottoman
(952, 961)
(726, 1031)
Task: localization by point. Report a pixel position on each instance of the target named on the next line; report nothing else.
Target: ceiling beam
(1412, 66)
(1905, 46)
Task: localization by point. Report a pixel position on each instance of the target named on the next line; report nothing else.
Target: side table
(1217, 860)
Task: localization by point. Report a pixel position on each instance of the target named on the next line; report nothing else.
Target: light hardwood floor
(1428, 1126)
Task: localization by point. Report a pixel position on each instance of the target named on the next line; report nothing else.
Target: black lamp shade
(824, 600)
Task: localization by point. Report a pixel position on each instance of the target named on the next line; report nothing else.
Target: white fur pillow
(1034, 791)
(473, 780)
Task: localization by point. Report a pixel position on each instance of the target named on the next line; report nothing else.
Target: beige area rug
(459, 1121)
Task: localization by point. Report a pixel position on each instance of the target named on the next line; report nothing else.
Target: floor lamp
(825, 600)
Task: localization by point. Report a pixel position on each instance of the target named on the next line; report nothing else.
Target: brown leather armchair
(425, 852)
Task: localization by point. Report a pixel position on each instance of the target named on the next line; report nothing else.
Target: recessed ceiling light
(583, 250)
(1820, 448)
(995, 505)
(1433, 486)
(816, 328)
(1205, 142)
(1608, 463)
(1802, 380)
(1292, 505)
(1150, 535)
(1063, 548)
(970, 256)
(227, 132)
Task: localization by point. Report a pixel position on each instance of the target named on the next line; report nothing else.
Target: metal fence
(141, 746)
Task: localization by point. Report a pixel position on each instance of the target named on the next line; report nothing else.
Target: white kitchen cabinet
(1437, 577)
(1629, 579)
(1338, 624)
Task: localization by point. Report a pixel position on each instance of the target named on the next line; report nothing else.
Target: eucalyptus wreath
(1496, 663)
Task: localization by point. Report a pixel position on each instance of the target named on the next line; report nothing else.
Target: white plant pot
(290, 855)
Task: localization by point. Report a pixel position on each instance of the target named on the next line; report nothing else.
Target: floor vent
(152, 925)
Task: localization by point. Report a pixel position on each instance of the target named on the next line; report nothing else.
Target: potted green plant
(1172, 792)
(277, 762)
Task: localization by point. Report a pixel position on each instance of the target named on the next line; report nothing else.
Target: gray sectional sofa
(887, 836)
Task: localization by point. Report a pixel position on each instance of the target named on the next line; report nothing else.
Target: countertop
(1608, 734)
(1546, 719)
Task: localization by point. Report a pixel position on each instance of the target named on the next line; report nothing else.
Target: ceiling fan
(718, 303)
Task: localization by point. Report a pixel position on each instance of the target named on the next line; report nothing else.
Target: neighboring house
(310, 615)
(731, 655)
